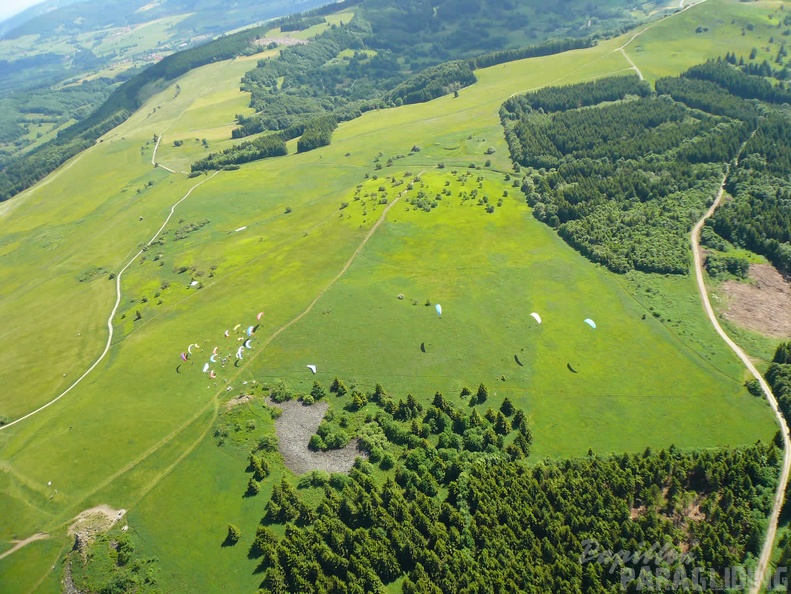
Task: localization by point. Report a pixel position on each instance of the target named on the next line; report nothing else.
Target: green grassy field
(136, 434)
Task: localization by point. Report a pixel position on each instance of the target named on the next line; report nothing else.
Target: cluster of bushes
(432, 83)
(260, 148)
(317, 133)
(717, 265)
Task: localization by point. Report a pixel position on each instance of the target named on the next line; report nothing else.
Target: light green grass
(134, 434)
(30, 569)
(667, 50)
(130, 41)
(337, 18)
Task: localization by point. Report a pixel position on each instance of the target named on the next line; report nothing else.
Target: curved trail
(112, 313)
(213, 401)
(771, 530)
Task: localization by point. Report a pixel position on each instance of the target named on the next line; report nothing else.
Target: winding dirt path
(771, 530)
(113, 312)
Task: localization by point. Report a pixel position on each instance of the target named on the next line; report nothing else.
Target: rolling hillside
(345, 250)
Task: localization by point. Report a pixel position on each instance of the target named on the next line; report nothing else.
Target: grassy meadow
(137, 434)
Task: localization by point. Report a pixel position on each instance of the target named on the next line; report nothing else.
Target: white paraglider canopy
(590, 323)
(439, 309)
(536, 316)
(312, 368)
(206, 368)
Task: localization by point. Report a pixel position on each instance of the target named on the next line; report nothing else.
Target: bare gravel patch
(763, 305)
(284, 40)
(294, 428)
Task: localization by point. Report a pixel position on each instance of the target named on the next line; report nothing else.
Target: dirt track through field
(335, 279)
(21, 543)
(771, 530)
(112, 313)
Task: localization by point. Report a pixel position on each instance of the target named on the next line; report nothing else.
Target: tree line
(759, 216)
(620, 172)
(445, 503)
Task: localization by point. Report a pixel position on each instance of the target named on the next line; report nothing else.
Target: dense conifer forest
(445, 503)
(622, 173)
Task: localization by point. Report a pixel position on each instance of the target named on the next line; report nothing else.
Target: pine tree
(234, 534)
(317, 391)
(482, 394)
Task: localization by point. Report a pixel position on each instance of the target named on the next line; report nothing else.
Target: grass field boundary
(113, 312)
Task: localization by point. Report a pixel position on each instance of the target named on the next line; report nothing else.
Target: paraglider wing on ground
(518, 362)
(536, 317)
(571, 369)
(439, 309)
(312, 368)
(590, 323)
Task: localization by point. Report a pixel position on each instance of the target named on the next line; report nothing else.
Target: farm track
(112, 313)
(771, 530)
(214, 400)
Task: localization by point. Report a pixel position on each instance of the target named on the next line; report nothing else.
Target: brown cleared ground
(763, 305)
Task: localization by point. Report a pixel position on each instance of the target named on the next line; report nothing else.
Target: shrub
(234, 534)
(316, 442)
